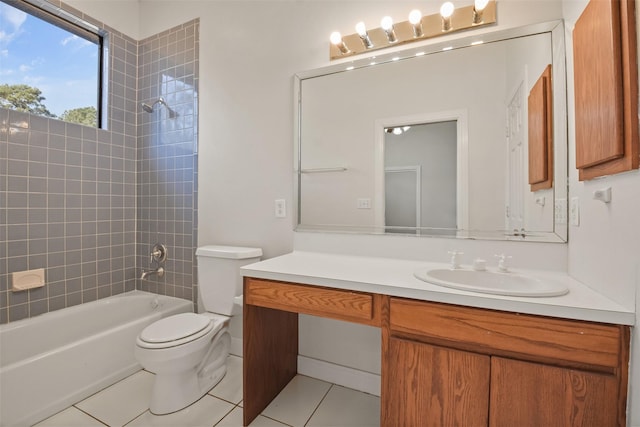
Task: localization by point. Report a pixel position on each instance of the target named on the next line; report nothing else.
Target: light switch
(364, 203)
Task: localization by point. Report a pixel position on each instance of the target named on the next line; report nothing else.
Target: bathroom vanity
(449, 357)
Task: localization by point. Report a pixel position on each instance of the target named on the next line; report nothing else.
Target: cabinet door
(530, 394)
(434, 386)
(606, 89)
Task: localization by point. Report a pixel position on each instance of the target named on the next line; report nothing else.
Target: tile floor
(304, 402)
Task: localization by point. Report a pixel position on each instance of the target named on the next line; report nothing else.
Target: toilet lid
(174, 327)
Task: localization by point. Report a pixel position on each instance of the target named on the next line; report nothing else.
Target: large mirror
(464, 139)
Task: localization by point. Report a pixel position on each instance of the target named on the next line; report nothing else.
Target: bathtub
(54, 360)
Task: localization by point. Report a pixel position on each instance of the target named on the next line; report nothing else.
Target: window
(50, 63)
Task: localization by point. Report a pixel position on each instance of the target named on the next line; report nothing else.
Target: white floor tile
(122, 402)
(295, 404)
(230, 388)
(70, 417)
(234, 419)
(344, 407)
(206, 412)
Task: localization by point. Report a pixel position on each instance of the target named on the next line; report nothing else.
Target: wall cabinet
(459, 366)
(606, 89)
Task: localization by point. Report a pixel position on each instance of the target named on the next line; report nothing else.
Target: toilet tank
(219, 278)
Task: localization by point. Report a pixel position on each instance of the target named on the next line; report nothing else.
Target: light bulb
(478, 8)
(415, 16)
(397, 131)
(386, 23)
(415, 19)
(361, 29)
(479, 5)
(335, 38)
(446, 10)
(387, 26)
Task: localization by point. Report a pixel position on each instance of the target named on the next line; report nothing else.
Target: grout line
(225, 415)
(318, 406)
(88, 414)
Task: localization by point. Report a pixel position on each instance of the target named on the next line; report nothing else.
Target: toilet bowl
(188, 352)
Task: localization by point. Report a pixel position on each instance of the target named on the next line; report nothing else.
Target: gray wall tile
(86, 204)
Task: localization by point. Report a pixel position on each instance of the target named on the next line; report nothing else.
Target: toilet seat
(178, 329)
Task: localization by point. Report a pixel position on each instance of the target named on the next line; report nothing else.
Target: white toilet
(188, 351)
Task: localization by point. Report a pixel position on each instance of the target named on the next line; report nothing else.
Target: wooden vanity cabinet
(461, 366)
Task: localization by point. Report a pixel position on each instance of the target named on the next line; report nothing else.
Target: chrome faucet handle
(158, 253)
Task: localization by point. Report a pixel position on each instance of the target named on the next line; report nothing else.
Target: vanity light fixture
(478, 9)
(336, 40)
(446, 11)
(387, 26)
(418, 27)
(361, 29)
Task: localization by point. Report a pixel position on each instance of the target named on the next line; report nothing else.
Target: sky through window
(64, 66)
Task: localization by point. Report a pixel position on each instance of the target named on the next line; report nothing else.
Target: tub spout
(146, 273)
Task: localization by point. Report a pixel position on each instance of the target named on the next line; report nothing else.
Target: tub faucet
(146, 273)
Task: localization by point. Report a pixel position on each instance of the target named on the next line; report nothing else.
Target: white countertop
(395, 277)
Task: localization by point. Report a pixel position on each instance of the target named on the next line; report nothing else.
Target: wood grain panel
(529, 394)
(434, 386)
(524, 336)
(540, 125)
(597, 79)
(606, 89)
(270, 356)
(326, 302)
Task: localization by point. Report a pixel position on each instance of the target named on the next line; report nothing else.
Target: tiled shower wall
(68, 192)
(168, 158)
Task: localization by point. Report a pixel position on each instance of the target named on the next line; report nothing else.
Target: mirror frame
(560, 132)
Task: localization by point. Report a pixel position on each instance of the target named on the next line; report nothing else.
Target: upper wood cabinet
(540, 142)
(606, 89)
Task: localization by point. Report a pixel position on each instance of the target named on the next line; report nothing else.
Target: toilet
(188, 351)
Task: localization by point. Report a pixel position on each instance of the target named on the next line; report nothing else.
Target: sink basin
(489, 282)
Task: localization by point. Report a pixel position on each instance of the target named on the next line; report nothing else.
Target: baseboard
(341, 375)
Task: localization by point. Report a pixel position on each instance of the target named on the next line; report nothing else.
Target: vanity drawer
(339, 304)
(537, 338)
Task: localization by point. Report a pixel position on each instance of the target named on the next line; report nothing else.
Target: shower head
(149, 108)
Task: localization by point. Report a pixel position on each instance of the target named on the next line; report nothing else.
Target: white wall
(246, 146)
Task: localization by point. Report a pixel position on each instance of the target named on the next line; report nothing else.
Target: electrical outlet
(281, 208)
(364, 203)
(574, 212)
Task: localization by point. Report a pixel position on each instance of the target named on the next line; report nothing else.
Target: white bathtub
(54, 360)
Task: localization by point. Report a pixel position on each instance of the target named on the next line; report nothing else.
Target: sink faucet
(455, 261)
(502, 263)
(146, 273)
